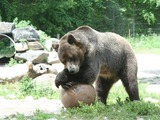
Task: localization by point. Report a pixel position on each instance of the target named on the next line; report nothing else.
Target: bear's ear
(72, 40)
(55, 46)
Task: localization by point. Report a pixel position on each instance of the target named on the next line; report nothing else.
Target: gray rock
(35, 46)
(48, 45)
(22, 46)
(59, 66)
(53, 58)
(46, 80)
(14, 73)
(49, 42)
(6, 27)
(34, 56)
(28, 34)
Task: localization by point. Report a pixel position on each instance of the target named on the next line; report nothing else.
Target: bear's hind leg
(129, 80)
(103, 86)
(131, 89)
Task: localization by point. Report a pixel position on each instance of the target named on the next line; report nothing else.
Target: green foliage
(55, 17)
(26, 86)
(43, 36)
(38, 115)
(6, 49)
(13, 62)
(128, 110)
(8, 89)
(7, 10)
(145, 43)
(41, 116)
(98, 111)
(61, 16)
(142, 108)
(22, 23)
(27, 23)
(4, 42)
(149, 17)
(29, 88)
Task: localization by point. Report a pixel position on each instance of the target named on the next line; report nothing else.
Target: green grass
(13, 62)
(118, 107)
(8, 89)
(26, 87)
(98, 111)
(146, 44)
(124, 111)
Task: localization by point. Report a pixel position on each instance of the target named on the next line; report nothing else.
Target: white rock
(22, 46)
(46, 80)
(53, 58)
(35, 56)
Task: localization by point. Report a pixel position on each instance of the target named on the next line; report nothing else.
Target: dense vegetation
(53, 17)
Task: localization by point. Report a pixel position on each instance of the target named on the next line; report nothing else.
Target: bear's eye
(63, 61)
(73, 58)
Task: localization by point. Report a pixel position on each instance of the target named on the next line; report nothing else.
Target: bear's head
(71, 52)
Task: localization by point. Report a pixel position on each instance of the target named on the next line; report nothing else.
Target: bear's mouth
(73, 71)
(72, 68)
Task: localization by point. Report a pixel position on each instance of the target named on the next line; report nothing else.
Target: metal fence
(133, 29)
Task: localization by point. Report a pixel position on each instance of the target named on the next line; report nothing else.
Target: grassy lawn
(26, 87)
(146, 44)
(118, 107)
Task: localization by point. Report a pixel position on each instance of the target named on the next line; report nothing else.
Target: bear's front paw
(61, 79)
(68, 85)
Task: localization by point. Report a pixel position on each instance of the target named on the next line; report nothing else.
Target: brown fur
(89, 55)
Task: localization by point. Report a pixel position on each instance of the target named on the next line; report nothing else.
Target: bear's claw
(68, 85)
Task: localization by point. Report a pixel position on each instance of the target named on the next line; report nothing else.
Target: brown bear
(89, 55)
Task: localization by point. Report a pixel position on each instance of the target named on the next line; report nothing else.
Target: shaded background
(125, 17)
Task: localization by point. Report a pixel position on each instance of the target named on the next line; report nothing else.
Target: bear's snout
(72, 68)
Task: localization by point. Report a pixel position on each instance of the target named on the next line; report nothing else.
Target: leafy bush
(22, 23)
(6, 48)
(26, 86)
(29, 88)
(13, 62)
(27, 23)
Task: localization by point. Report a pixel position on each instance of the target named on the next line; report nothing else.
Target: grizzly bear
(89, 55)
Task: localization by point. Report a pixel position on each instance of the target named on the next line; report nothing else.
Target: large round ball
(78, 93)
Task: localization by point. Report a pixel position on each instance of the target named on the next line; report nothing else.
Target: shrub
(29, 88)
(13, 62)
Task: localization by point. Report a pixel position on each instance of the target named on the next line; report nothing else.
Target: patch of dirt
(28, 106)
(149, 68)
